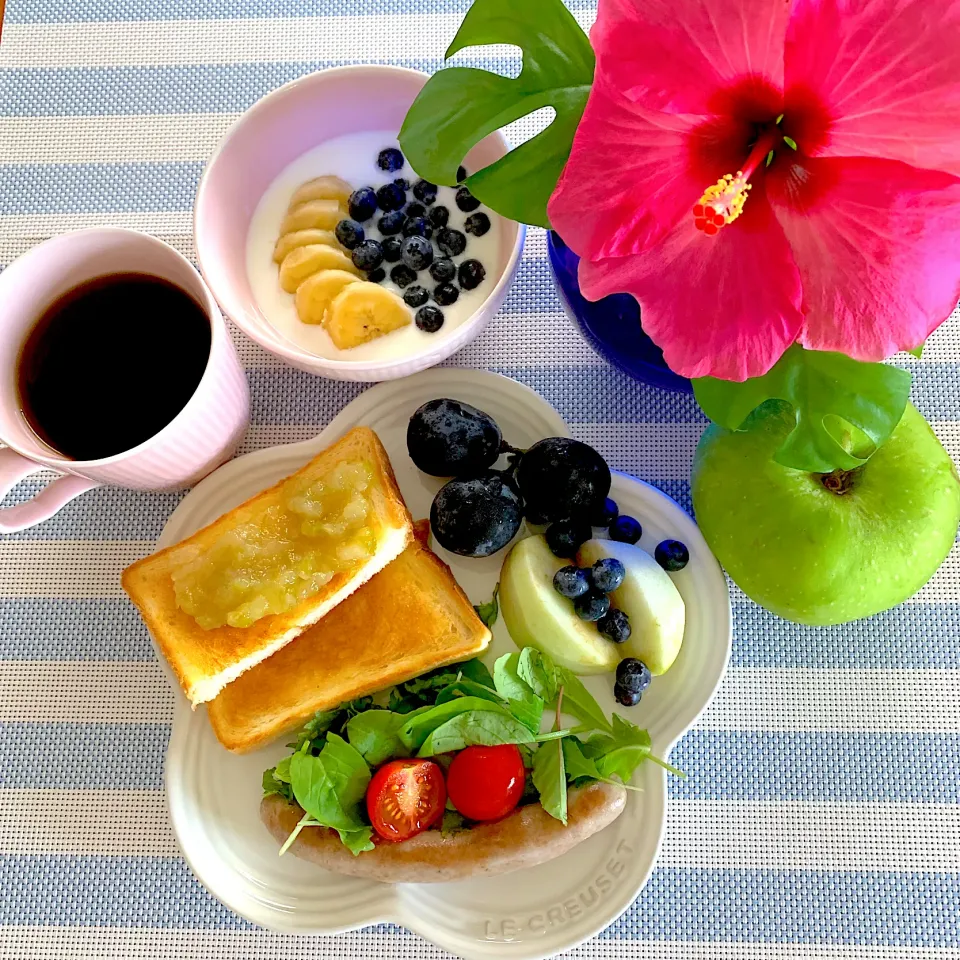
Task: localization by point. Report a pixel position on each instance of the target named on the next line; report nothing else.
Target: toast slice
(408, 619)
(205, 660)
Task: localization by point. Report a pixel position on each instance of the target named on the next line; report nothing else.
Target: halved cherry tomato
(405, 797)
(486, 783)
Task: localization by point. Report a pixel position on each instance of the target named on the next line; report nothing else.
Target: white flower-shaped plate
(214, 795)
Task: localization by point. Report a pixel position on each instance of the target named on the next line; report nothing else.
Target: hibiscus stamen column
(723, 202)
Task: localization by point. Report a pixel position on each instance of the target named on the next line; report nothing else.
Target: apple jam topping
(285, 555)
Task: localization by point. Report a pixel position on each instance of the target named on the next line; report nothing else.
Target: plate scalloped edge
(620, 858)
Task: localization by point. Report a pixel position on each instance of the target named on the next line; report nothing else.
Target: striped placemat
(821, 817)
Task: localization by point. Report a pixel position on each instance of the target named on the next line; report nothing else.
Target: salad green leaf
(523, 703)
(540, 673)
(375, 735)
(489, 611)
(475, 728)
(577, 765)
(550, 779)
(459, 106)
(273, 784)
(331, 788)
(317, 726)
(417, 727)
(468, 688)
(620, 753)
(578, 702)
(452, 823)
(829, 393)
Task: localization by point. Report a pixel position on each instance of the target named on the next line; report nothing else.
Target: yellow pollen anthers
(721, 203)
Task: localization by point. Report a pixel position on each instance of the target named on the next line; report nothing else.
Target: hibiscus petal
(876, 244)
(606, 206)
(886, 75)
(725, 306)
(681, 56)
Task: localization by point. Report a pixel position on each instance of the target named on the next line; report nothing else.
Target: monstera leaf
(459, 106)
(827, 392)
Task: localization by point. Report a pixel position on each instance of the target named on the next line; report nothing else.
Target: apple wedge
(648, 597)
(537, 616)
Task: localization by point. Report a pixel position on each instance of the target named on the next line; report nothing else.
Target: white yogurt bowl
(274, 134)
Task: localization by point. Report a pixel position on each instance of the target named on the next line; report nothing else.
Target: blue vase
(611, 325)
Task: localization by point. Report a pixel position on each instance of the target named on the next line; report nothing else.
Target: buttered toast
(408, 619)
(243, 587)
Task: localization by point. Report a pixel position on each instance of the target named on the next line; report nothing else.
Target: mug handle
(58, 493)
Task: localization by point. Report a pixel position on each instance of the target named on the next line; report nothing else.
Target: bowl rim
(279, 345)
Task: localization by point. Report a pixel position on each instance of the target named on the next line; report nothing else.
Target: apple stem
(840, 481)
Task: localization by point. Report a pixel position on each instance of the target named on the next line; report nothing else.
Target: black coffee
(110, 363)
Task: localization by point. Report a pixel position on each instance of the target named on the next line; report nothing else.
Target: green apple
(826, 548)
(650, 600)
(537, 616)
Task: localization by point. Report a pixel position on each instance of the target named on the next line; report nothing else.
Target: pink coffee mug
(203, 435)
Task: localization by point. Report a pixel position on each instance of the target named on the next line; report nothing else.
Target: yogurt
(354, 158)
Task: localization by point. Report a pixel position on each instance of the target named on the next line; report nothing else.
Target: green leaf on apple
(845, 409)
(459, 106)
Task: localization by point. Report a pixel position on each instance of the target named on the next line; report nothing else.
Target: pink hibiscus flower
(849, 240)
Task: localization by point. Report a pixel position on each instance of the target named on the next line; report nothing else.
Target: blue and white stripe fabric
(821, 816)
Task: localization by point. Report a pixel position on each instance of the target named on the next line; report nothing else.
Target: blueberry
(368, 255)
(605, 514)
(425, 192)
(451, 242)
(592, 606)
(672, 555)
(390, 197)
(448, 438)
(417, 253)
(466, 201)
(625, 697)
(362, 204)
(445, 294)
(615, 626)
(476, 516)
(461, 174)
(349, 233)
(607, 574)
(417, 227)
(565, 537)
(402, 275)
(403, 183)
(415, 210)
(429, 319)
(391, 223)
(391, 249)
(377, 276)
(443, 269)
(571, 582)
(390, 159)
(415, 295)
(471, 274)
(632, 674)
(626, 530)
(439, 216)
(477, 223)
(561, 478)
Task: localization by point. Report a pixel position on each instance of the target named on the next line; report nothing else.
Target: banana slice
(323, 188)
(363, 311)
(300, 238)
(316, 293)
(313, 215)
(300, 263)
